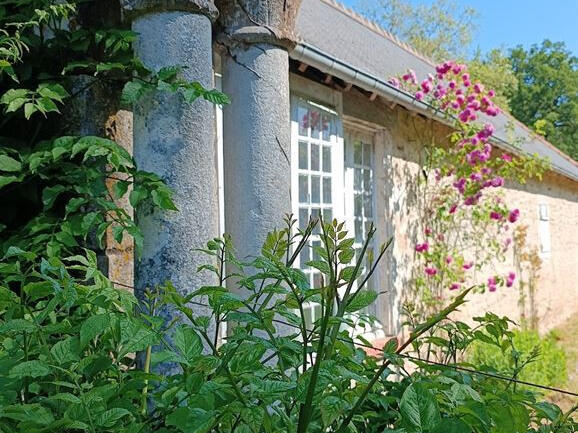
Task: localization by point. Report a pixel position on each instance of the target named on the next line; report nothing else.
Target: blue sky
(512, 22)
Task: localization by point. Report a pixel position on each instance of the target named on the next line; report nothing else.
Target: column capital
(134, 8)
(257, 21)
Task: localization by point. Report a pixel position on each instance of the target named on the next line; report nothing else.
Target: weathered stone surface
(556, 297)
(254, 21)
(175, 140)
(120, 255)
(256, 145)
(134, 8)
(89, 113)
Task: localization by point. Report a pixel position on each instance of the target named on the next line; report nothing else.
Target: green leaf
(14, 251)
(53, 91)
(188, 342)
(133, 91)
(15, 104)
(66, 350)
(162, 198)
(14, 94)
(452, 426)
(168, 72)
(29, 110)
(419, 409)
(323, 267)
(331, 408)
(191, 420)
(361, 300)
(120, 188)
(135, 337)
(65, 397)
(137, 195)
(30, 369)
(74, 204)
(17, 326)
(7, 180)
(8, 163)
(50, 194)
(38, 290)
(110, 417)
(32, 413)
(46, 105)
(92, 327)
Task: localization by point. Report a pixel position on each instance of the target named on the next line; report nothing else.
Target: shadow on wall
(400, 194)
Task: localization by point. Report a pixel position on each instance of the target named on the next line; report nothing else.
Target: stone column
(175, 140)
(254, 37)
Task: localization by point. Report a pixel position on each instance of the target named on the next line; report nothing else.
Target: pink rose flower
(514, 215)
(420, 248)
(431, 271)
(495, 215)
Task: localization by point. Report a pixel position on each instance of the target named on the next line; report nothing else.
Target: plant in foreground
(67, 340)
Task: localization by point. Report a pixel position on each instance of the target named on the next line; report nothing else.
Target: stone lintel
(134, 8)
(252, 35)
(250, 22)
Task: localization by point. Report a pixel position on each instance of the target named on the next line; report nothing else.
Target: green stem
(147, 367)
(414, 336)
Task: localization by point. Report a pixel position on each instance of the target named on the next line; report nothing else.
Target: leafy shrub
(67, 340)
(547, 368)
(78, 355)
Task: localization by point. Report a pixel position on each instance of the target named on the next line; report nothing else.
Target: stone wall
(556, 295)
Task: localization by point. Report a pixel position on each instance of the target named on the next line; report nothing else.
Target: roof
(347, 38)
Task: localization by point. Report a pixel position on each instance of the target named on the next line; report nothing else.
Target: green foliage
(67, 339)
(440, 30)
(495, 71)
(546, 98)
(78, 355)
(548, 369)
(441, 398)
(63, 190)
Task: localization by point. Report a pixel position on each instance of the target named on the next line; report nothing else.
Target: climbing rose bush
(468, 224)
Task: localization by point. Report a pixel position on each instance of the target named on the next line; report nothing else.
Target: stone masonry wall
(556, 296)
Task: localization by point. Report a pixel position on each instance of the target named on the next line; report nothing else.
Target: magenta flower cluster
(452, 92)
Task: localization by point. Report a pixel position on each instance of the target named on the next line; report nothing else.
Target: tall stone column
(175, 140)
(254, 37)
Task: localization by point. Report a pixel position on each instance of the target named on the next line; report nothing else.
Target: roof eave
(313, 56)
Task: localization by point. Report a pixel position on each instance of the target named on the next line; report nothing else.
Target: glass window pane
(303, 218)
(304, 255)
(317, 282)
(328, 215)
(303, 188)
(367, 148)
(367, 180)
(357, 158)
(307, 312)
(357, 178)
(315, 212)
(358, 231)
(303, 117)
(327, 159)
(367, 206)
(326, 190)
(314, 157)
(315, 118)
(303, 155)
(316, 245)
(315, 189)
(357, 205)
(326, 126)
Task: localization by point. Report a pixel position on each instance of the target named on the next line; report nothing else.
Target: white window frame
(337, 168)
(353, 132)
